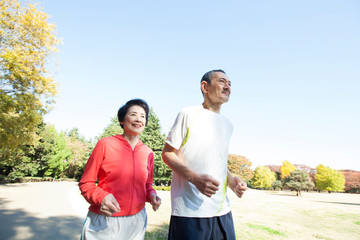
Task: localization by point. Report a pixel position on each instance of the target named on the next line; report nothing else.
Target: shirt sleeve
(178, 131)
(150, 179)
(90, 191)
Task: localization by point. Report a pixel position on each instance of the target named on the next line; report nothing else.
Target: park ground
(56, 210)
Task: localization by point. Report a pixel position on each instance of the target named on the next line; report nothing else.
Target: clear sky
(294, 68)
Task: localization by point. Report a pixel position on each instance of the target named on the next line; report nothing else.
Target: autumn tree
(285, 169)
(263, 178)
(297, 181)
(328, 179)
(240, 166)
(26, 87)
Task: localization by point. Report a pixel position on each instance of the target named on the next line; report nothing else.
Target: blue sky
(294, 68)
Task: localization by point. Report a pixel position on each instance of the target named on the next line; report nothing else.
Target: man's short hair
(134, 102)
(209, 75)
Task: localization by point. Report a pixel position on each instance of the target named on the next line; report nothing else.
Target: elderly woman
(123, 167)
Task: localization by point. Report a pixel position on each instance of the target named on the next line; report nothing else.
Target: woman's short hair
(125, 108)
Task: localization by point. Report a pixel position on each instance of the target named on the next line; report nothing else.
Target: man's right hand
(206, 184)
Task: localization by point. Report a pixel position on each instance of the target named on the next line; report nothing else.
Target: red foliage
(352, 180)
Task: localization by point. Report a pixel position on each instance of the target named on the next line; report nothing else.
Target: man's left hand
(237, 185)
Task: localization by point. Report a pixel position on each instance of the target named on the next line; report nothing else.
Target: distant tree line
(300, 178)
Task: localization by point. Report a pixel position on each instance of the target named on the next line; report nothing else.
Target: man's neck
(212, 107)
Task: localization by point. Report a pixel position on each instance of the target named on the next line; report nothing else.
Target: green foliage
(297, 181)
(162, 188)
(276, 185)
(154, 139)
(26, 87)
(59, 159)
(263, 178)
(328, 179)
(240, 166)
(80, 152)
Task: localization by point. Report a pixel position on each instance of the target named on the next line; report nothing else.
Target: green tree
(276, 185)
(59, 159)
(286, 169)
(328, 179)
(80, 152)
(26, 87)
(112, 129)
(240, 166)
(155, 140)
(30, 160)
(263, 178)
(297, 181)
(41, 153)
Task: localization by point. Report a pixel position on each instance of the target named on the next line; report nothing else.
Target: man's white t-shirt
(202, 138)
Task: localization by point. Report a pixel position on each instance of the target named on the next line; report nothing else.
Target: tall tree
(59, 160)
(80, 152)
(297, 181)
(328, 179)
(240, 166)
(26, 87)
(263, 178)
(154, 139)
(286, 168)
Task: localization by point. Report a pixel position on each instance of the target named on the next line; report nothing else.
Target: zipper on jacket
(133, 182)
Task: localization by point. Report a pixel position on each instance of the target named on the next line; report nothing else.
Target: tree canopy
(26, 87)
(263, 178)
(240, 166)
(286, 168)
(328, 179)
(297, 181)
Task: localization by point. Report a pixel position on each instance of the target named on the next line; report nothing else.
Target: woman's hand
(109, 206)
(155, 201)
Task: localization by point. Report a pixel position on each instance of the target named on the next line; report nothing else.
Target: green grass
(157, 233)
(266, 229)
(357, 222)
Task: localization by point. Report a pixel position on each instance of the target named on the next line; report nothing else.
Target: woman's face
(134, 121)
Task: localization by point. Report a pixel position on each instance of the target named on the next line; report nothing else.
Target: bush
(162, 188)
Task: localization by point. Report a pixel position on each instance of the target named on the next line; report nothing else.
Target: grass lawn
(279, 215)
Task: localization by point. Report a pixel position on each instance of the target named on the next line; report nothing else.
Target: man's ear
(204, 86)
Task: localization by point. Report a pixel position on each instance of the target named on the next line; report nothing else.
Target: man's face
(219, 90)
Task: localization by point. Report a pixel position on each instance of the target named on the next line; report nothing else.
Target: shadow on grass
(157, 232)
(19, 224)
(343, 203)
